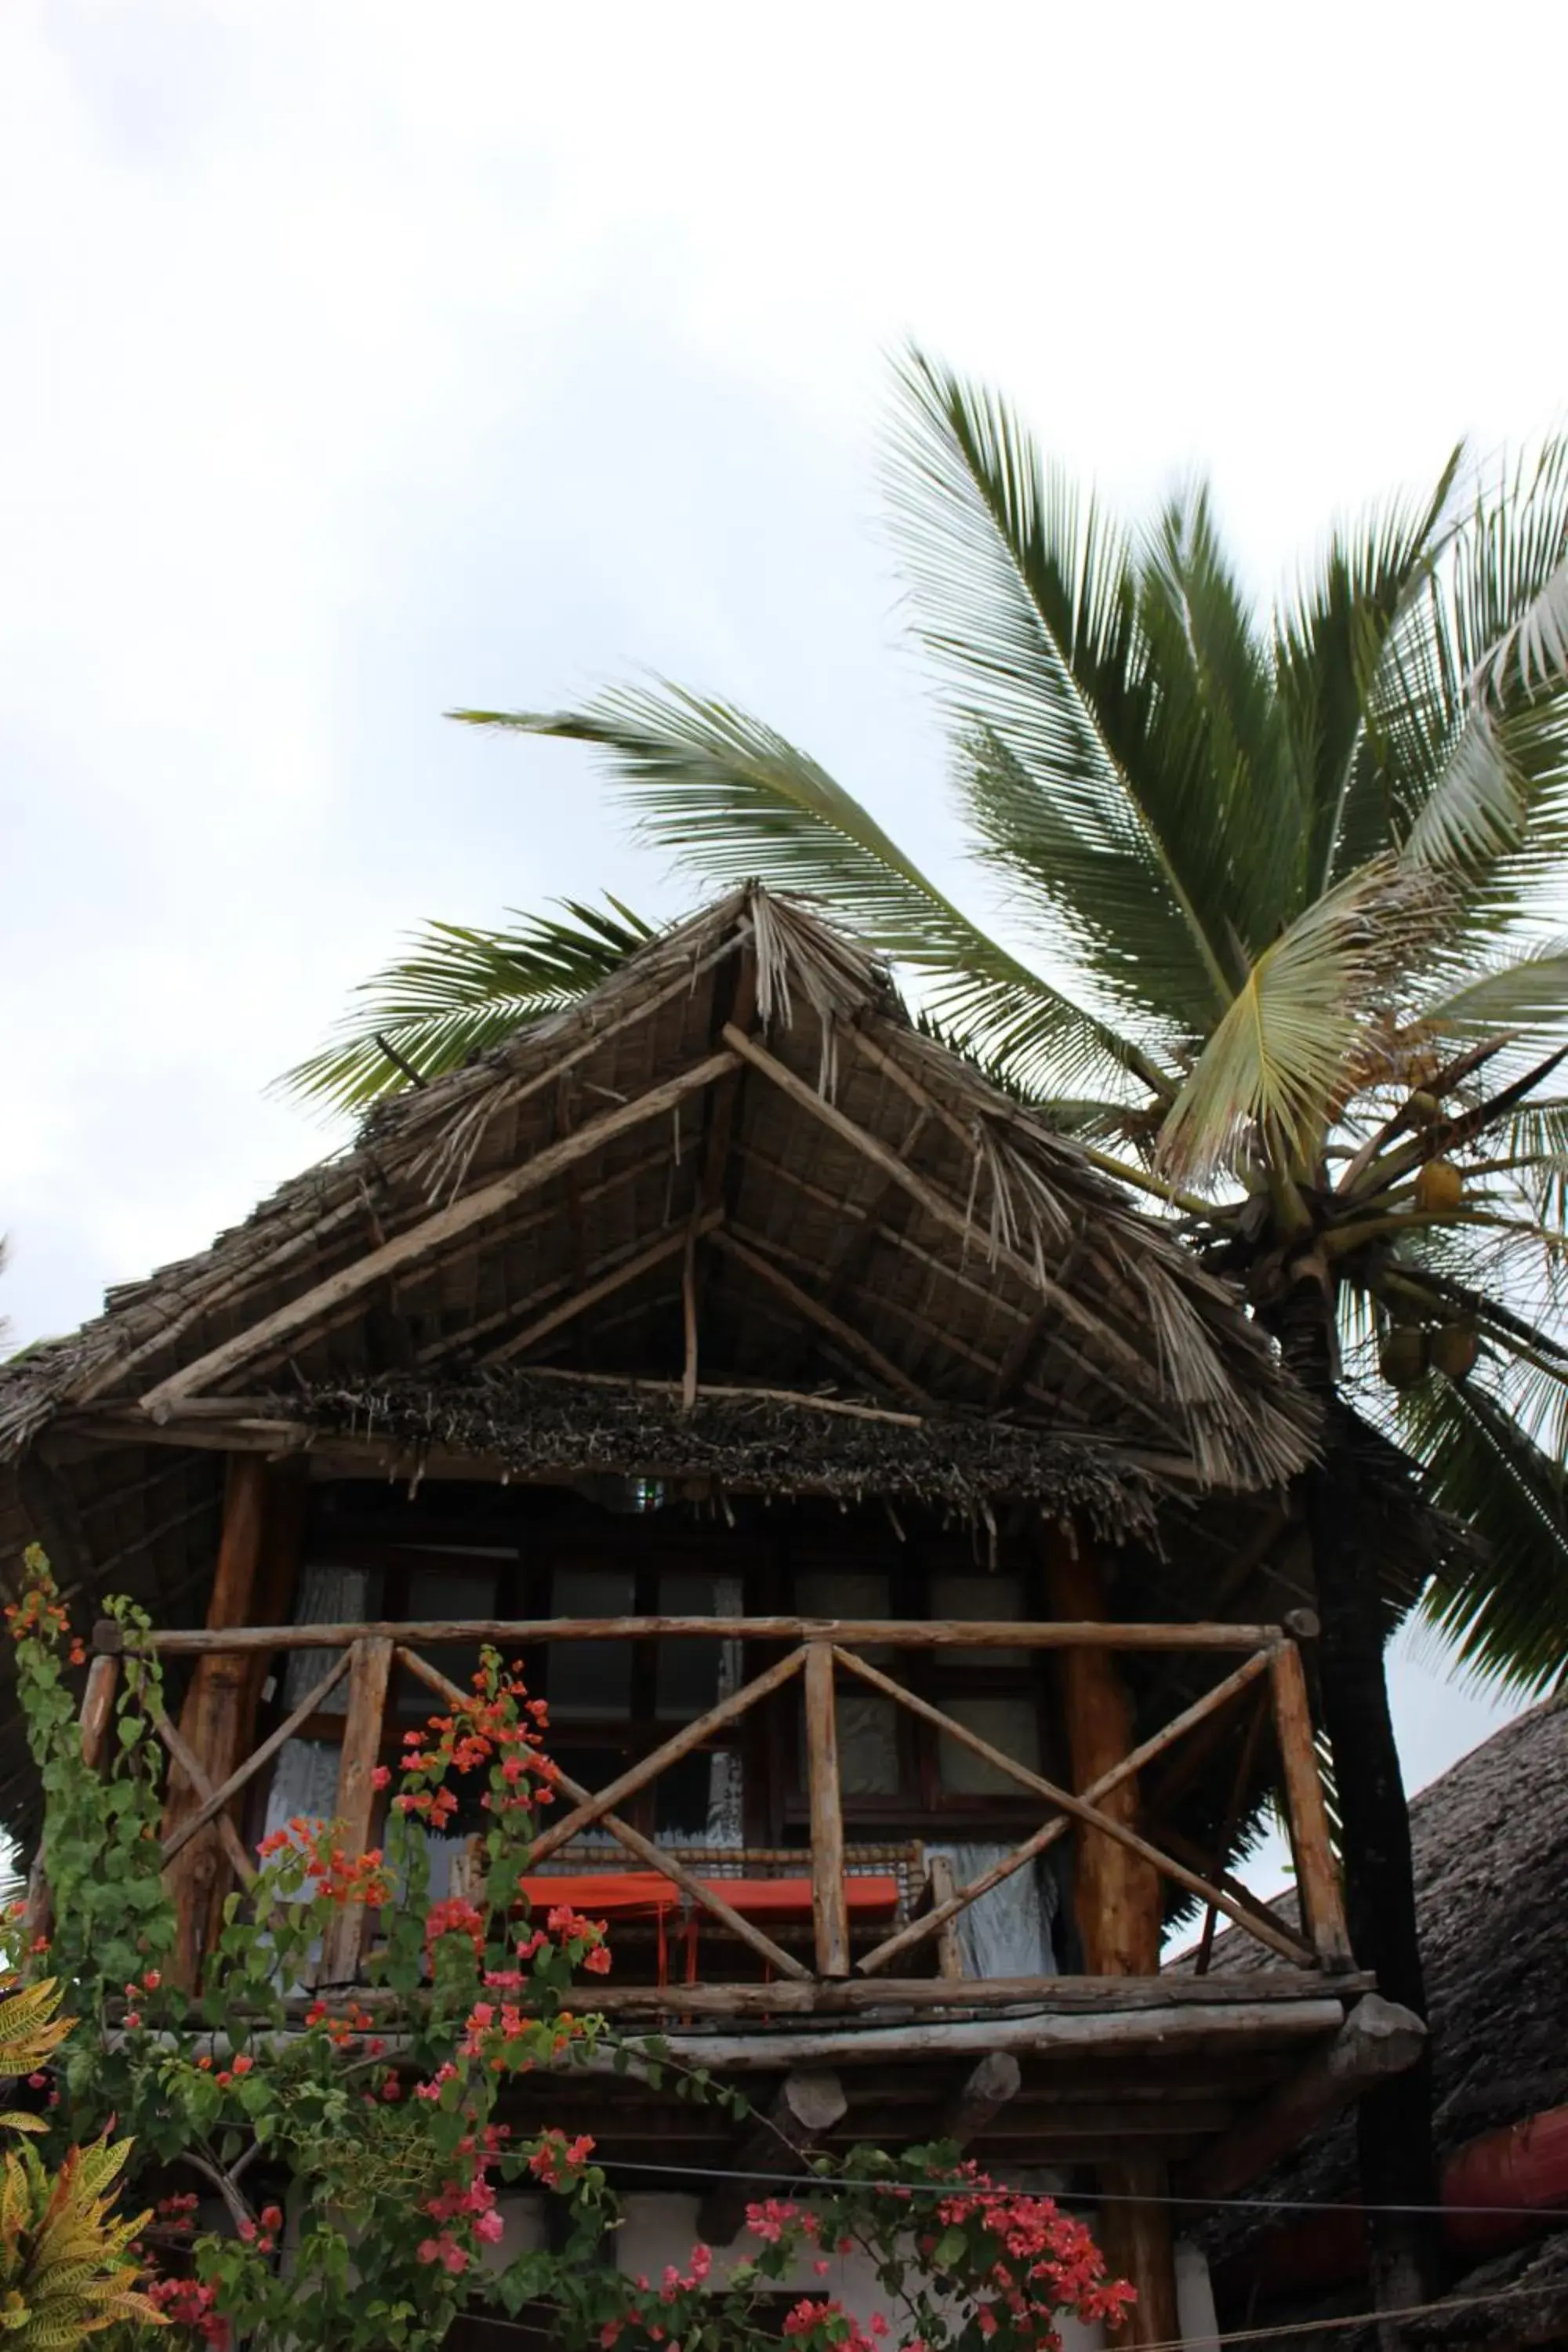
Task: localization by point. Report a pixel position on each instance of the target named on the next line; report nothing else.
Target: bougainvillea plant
(330, 2166)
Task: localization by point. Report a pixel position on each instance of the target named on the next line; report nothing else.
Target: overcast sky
(365, 359)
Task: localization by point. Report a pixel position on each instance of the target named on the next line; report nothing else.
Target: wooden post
(807, 2106)
(1317, 1877)
(369, 1674)
(1378, 2038)
(831, 1911)
(1117, 1906)
(213, 1718)
(985, 2092)
(97, 1709)
(940, 1877)
(1117, 1892)
(1135, 2237)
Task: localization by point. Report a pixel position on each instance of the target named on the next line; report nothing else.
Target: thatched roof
(1137, 1344)
(1490, 1841)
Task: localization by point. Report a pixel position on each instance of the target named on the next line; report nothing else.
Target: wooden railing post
(1317, 1878)
(212, 1719)
(370, 1670)
(830, 1909)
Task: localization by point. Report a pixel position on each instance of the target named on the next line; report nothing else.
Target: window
(588, 1679)
(1009, 1725)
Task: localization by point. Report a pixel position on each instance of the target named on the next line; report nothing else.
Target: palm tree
(1285, 883)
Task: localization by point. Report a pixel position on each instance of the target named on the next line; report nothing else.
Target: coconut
(1402, 1359)
(1440, 1186)
(1454, 1348)
(1423, 1108)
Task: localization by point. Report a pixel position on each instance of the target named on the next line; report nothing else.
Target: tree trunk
(1394, 2120)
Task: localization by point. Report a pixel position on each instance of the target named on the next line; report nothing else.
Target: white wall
(660, 2228)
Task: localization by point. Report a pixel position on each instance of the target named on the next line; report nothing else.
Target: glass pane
(983, 1597)
(686, 1674)
(1013, 1725)
(437, 1592)
(327, 1596)
(833, 1593)
(585, 1678)
(683, 1800)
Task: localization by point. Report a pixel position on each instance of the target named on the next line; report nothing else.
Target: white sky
(362, 360)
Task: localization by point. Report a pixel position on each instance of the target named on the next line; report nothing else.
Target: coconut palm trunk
(1281, 884)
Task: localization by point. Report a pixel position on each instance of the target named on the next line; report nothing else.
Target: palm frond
(1088, 790)
(1525, 992)
(1533, 652)
(734, 800)
(1279, 1065)
(1328, 644)
(461, 991)
(1472, 763)
(1506, 1615)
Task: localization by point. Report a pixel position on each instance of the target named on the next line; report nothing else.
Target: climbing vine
(331, 2167)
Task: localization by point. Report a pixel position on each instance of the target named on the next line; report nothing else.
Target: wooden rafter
(850, 1262)
(815, 1311)
(432, 1235)
(627, 1270)
(508, 1236)
(938, 1207)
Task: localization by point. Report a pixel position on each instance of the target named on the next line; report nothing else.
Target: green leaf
(734, 800)
(459, 992)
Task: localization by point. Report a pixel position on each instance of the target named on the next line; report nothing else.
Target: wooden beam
(432, 1234)
(370, 1670)
(1138, 2035)
(1137, 2237)
(808, 2105)
(882, 1367)
(97, 1709)
(688, 1313)
(245, 1772)
(943, 1889)
(1268, 1931)
(876, 1997)
(191, 1765)
(1377, 2040)
(682, 1743)
(855, 1253)
(888, 1633)
(950, 1901)
(642, 1262)
(942, 1211)
(1013, 1368)
(1317, 1874)
(829, 1904)
(1118, 1903)
(655, 1857)
(450, 1341)
(212, 1719)
(985, 2093)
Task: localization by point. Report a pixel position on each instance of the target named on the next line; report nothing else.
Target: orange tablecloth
(647, 1894)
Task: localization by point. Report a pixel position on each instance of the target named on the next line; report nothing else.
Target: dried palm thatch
(838, 1122)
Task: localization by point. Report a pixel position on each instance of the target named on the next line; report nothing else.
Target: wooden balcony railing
(821, 1652)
